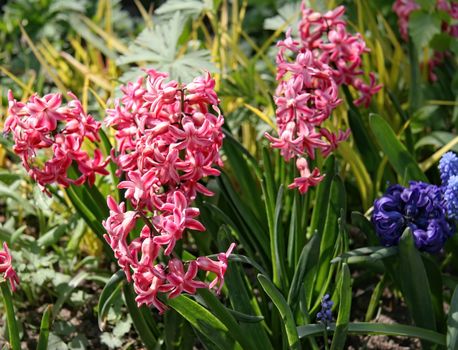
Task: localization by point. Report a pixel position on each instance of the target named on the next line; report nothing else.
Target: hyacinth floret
(325, 315)
(310, 70)
(6, 269)
(168, 140)
(421, 208)
(49, 138)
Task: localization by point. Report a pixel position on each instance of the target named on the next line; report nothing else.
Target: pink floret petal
(6, 269)
(49, 138)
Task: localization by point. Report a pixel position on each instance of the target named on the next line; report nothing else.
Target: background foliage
(292, 249)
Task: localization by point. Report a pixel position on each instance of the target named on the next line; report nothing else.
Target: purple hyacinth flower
(421, 207)
(448, 166)
(451, 197)
(325, 315)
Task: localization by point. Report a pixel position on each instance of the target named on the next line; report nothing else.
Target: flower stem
(147, 222)
(13, 330)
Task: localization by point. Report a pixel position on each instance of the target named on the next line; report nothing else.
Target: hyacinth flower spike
(310, 69)
(168, 139)
(448, 168)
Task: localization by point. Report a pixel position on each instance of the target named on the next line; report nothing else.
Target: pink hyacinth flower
(307, 178)
(180, 281)
(7, 269)
(217, 267)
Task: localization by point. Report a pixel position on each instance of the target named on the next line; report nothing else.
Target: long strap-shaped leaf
(452, 323)
(204, 322)
(285, 312)
(340, 335)
(45, 327)
(109, 293)
(223, 314)
(330, 236)
(401, 160)
(91, 220)
(13, 331)
(140, 323)
(414, 283)
(366, 328)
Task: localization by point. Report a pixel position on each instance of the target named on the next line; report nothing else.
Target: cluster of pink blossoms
(310, 70)
(169, 136)
(6, 269)
(43, 126)
(403, 9)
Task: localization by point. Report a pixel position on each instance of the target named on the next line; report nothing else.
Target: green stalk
(13, 330)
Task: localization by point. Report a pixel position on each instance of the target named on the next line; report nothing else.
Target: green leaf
(56, 343)
(330, 235)
(68, 290)
(256, 228)
(44, 329)
(223, 314)
(108, 295)
(189, 8)
(441, 42)
(433, 272)
(9, 191)
(82, 29)
(366, 227)
(426, 4)
(79, 342)
(110, 340)
(375, 299)
(302, 267)
(343, 317)
(140, 323)
(285, 312)
(287, 16)
(239, 316)
(53, 235)
(246, 260)
(397, 154)
(122, 327)
(415, 91)
(173, 324)
(364, 141)
(437, 139)
(245, 303)
(277, 256)
(452, 322)
(158, 46)
(423, 27)
(414, 283)
(13, 331)
(243, 164)
(366, 254)
(89, 217)
(322, 197)
(368, 328)
(204, 322)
